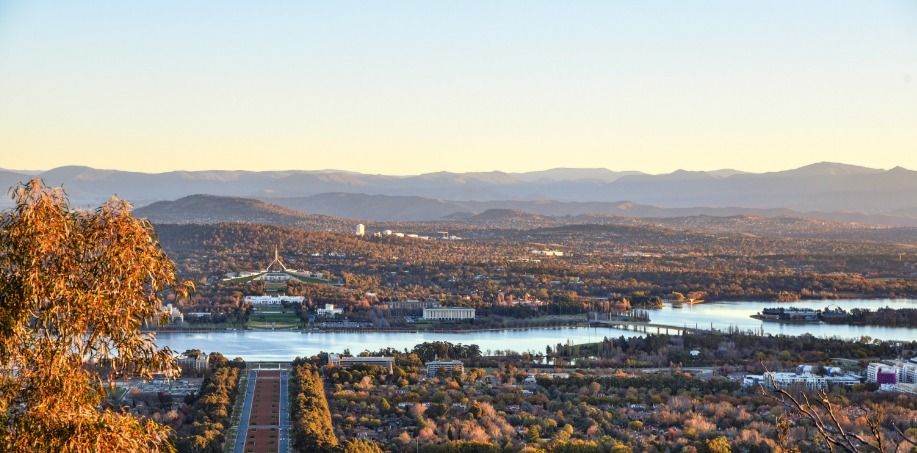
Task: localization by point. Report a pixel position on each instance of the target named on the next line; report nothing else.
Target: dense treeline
(807, 345)
(886, 317)
(359, 446)
(459, 446)
(724, 349)
(420, 353)
(445, 350)
(211, 411)
(673, 383)
(644, 301)
(310, 418)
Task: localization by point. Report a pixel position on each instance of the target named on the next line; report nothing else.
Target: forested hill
(209, 209)
(423, 208)
(598, 260)
(509, 218)
(745, 226)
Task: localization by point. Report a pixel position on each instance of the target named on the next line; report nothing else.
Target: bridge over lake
(606, 319)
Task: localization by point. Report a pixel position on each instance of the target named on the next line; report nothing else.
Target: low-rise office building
(347, 362)
(784, 380)
(194, 362)
(409, 307)
(452, 365)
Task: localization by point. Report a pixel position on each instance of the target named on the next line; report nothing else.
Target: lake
(738, 314)
(285, 345)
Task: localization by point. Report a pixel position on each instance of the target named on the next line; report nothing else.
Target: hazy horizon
(342, 170)
(415, 87)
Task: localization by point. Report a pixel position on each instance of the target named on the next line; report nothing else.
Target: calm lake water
(722, 315)
(277, 346)
(283, 345)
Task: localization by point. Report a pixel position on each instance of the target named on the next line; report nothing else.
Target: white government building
(329, 310)
(447, 313)
(273, 300)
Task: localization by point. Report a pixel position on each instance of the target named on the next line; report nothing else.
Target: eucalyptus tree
(75, 288)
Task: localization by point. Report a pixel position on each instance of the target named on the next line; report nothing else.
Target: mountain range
(825, 190)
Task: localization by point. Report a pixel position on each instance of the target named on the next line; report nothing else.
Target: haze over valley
(827, 191)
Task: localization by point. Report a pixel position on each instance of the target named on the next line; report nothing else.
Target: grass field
(273, 318)
(217, 325)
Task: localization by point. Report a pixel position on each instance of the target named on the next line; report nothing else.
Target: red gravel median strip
(264, 420)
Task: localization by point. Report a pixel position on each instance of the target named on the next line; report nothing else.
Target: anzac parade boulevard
(264, 417)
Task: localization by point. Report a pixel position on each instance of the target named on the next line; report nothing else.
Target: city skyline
(410, 88)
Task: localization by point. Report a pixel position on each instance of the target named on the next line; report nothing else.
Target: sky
(404, 87)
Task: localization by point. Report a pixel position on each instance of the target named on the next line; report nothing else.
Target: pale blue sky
(412, 87)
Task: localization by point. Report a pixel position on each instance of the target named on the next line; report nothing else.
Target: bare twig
(905, 436)
(824, 416)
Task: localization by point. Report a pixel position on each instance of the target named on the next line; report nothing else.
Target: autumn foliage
(309, 413)
(75, 288)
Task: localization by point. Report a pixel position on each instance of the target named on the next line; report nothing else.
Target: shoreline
(373, 330)
(785, 321)
(472, 329)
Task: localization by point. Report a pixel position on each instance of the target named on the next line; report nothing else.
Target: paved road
(284, 442)
(246, 412)
(648, 326)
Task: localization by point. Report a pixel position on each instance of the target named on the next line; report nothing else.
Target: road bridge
(647, 327)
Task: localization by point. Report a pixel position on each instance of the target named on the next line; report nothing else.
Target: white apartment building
(434, 367)
(906, 372)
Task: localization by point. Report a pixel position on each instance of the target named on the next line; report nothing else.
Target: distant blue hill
(843, 191)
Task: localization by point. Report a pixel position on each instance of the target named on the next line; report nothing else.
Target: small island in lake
(883, 317)
(789, 315)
